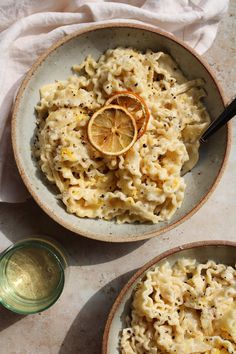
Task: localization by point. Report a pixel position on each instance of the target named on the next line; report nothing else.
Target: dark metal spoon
(228, 113)
(225, 116)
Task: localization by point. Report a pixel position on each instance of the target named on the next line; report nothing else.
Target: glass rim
(37, 243)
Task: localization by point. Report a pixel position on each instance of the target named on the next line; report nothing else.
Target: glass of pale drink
(32, 275)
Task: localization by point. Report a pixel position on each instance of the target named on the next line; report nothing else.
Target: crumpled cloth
(29, 27)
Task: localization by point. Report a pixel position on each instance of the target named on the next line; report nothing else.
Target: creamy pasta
(182, 309)
(144, 184)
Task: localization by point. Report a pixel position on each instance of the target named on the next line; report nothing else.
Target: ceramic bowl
(218, 251)
(56, 64)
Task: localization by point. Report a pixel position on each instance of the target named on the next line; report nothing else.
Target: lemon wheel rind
(99, 112)
(136, 97)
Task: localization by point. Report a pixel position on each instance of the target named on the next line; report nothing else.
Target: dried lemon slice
(112, 130)
(135, 105)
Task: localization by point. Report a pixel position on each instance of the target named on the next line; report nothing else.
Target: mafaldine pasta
(182, 309)
(145, 184)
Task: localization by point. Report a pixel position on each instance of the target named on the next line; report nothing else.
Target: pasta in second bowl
(181, 302)
(56, 65)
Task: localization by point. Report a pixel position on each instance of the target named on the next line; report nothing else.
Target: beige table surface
(74, 325)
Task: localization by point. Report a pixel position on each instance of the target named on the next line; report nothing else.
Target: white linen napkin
(29, 27)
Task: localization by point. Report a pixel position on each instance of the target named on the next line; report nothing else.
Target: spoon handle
(226, 115)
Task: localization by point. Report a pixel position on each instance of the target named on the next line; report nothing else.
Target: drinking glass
(32, 274)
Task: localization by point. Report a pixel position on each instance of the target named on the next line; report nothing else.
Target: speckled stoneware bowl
(56, 64)
(218, 251)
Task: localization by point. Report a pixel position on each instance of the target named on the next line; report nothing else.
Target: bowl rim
(141, 271)
(26, 180)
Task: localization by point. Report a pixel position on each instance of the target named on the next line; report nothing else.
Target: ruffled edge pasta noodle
(182, 309)
(145, 184)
